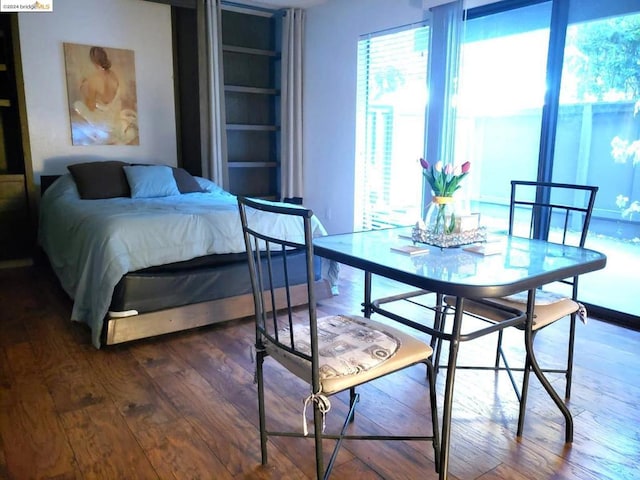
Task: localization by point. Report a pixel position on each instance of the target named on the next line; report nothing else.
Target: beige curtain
(291, 98)
(443, 82)
(212, 108)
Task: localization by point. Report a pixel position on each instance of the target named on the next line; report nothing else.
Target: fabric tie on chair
(346, 347)
(324, 405)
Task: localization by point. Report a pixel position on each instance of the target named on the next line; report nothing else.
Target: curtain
(447, 27)
(212, 108)
(291, 98)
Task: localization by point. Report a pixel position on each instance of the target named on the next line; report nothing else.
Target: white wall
(143, 27)
(330, 68)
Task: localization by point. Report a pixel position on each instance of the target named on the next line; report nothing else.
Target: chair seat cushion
(352, 350)
(549, 307)
(546, 311)
(543, 297)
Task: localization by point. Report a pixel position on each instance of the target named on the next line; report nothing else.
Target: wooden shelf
(252, 164)
(252, 90)
(251, 87)
(263, 128)
(17, 233)
(249, 51)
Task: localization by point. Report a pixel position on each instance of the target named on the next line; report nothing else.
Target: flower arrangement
(444, 179)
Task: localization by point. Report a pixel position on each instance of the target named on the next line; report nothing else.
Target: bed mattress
(211, 277)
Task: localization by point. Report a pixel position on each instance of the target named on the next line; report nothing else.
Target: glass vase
(440, 216)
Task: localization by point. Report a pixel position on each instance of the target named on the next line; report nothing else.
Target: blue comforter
(91, 244)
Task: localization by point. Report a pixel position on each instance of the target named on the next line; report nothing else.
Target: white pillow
(148, 181)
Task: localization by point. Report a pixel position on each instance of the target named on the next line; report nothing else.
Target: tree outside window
(602, 64)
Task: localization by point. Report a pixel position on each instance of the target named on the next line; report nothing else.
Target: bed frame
(119, 328)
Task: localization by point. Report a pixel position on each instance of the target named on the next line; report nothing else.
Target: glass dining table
(515, 265)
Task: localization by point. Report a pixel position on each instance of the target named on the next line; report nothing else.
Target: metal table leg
(528, 341)
(454, 345)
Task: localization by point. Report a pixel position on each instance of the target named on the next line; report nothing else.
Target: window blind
(390, 121)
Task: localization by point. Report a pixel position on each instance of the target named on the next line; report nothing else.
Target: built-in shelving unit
(16, 232)
(251, 63)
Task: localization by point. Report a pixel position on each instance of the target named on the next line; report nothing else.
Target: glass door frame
(562, 15)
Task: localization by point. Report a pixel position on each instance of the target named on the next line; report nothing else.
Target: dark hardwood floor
(184, 405)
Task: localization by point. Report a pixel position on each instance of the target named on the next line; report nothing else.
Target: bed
(139, 260)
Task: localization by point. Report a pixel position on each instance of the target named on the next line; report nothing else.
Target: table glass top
(519, 263)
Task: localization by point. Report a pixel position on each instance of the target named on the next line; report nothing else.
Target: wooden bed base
(125, 329)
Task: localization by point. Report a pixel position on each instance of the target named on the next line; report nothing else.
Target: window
(392, 96)
(598, 142)
(500, 104)
(532, 103)
(506, 80)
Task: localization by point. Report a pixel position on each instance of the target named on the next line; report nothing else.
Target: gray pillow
(96, 180)
(185, 181)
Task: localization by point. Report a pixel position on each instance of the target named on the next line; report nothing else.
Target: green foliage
(604, 57)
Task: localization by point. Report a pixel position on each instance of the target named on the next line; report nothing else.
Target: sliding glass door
(500, 102)
(598, 140)
(574, 118)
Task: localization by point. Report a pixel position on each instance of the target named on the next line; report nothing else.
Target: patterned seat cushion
(346, 344)
(353, 350)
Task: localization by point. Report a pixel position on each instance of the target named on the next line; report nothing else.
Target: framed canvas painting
(101, 91)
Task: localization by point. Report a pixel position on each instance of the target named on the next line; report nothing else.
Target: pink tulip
(448, 169)
(466, 166)
(424, 164)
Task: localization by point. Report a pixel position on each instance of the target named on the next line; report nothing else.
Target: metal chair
(556, 212)
(333, 353)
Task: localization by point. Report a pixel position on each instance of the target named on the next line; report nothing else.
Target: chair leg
(353, 398)
(439, 312)
(524, 391)
(498, 349)
(261, 405)
(431, 377)
(439, 324)
(572, 337)
(317, 427)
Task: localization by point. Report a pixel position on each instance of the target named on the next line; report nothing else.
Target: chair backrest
(281, 267)
(558, 212)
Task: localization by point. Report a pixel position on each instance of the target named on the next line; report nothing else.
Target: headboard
(46, 181)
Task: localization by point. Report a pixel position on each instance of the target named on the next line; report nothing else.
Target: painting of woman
(102, 95)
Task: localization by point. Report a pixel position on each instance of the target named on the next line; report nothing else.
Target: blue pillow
(147, 181)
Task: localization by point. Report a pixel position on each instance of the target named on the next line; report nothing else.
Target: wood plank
(238, 449)
(34, 442)
(134, 394)
(164, 446)
(185, 406)
(64, 367)
(103, 445)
